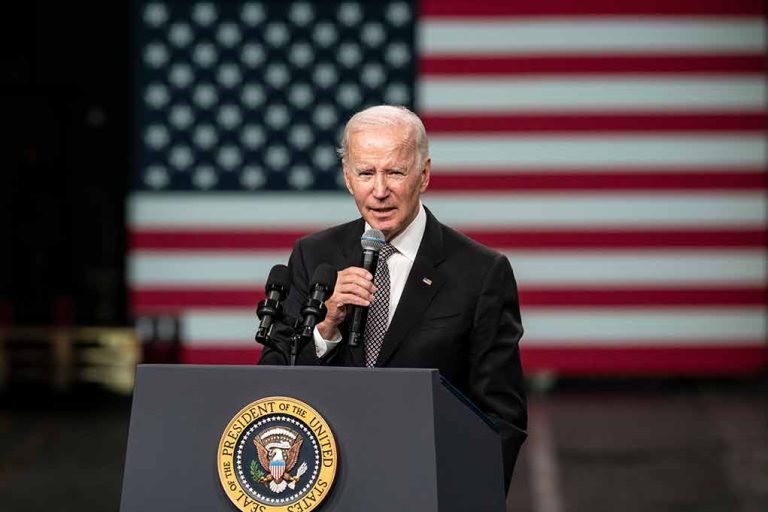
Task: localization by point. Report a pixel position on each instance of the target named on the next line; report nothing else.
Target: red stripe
(468, 181)
(518, 238)
(172, 300)
(487, 8)
(568, 360)
(482, 65)
(221, 239)
(437, 123)
(623, 239)
(644, 296)
(221, 355)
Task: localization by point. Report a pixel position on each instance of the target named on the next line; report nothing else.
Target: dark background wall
(65, 108)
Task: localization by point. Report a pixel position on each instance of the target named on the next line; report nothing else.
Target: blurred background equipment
(65, 358)
(615, 152)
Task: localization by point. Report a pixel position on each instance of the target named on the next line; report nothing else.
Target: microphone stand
(312, 313)
(294, 342)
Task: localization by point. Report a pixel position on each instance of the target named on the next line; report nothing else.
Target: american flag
(615, 151)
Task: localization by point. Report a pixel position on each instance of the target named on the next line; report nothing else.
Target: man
(440, 300)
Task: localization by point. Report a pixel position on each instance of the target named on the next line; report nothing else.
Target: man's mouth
(384, 210)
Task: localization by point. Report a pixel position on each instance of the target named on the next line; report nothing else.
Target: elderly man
(444, 301)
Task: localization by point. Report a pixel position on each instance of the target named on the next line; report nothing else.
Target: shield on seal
(277, 468)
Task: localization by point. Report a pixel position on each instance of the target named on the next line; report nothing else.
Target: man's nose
(380, 185)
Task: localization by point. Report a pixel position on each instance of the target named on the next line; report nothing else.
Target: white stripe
(595, 327)
(513, 170)
(633, 267)
(707, 93)
(461, 211)
(699, 326)
(532, 268)
(240, 210)
(658, 35)
(596, 151)
(202, 269)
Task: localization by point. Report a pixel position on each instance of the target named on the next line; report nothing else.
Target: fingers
(354, 287)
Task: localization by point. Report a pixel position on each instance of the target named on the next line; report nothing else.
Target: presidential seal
(277, 455)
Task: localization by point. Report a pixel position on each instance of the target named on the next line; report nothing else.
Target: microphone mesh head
(324, 275)
(372, 240)
(279, 279)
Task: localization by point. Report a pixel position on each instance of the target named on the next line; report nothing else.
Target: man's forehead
(386, 139)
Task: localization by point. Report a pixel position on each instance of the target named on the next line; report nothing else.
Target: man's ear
(426, 172)
(347, 180)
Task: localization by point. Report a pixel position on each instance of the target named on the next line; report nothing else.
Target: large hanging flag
(615, 151)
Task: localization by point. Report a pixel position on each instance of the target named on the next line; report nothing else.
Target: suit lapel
(420, 288)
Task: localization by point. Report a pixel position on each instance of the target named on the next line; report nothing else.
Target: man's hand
(354, 287)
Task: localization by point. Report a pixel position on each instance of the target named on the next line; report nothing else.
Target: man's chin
(385, 226)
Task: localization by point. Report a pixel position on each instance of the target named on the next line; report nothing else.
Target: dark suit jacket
(466, 323)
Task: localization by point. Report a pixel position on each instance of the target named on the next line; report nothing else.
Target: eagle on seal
(278, 459)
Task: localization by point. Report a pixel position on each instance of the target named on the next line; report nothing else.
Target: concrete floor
(594, 446)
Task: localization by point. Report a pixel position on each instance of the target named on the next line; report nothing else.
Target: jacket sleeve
(495, 373)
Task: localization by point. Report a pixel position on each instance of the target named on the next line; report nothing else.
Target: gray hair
(388, 116)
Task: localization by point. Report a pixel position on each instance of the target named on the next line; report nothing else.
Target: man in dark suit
(440, 300)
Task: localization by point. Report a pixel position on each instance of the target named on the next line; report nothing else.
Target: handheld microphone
(271, 308)
(372, 242)
(313, 312)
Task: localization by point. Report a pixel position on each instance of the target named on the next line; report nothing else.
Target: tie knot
(386, 251)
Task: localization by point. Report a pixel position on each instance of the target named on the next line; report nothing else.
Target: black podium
(406, 440)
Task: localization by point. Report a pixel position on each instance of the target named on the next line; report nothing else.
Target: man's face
(385, 178)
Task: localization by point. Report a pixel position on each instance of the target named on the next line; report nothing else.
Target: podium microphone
(271, 308)
(372, 242)
(313, 312)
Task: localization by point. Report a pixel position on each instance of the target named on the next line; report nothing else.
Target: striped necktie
(378, 312)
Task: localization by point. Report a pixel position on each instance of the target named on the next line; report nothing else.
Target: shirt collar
(407, 243)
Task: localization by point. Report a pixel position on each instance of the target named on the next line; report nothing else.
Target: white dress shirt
(407, 244)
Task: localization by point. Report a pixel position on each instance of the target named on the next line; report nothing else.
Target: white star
(324, 75)
(155, 14)
(204, 13)
(180, 75)
(156, 136)
(252, 55)
(372, 34)
(398, 13)
(229, 75)
(204, 177)
(180, 34)
(228, 34)
(276, 34)
(156, 177)
(252, 13)
(301, 54)
(156, 95)
(301, 13)
(350, 14)
(252, 137)
(156, 55)
(253, 177)
(397, 54)
(205, 96)
(324, 34)
(205, 55)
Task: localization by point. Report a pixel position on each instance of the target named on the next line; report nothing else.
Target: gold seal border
(225, 456)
